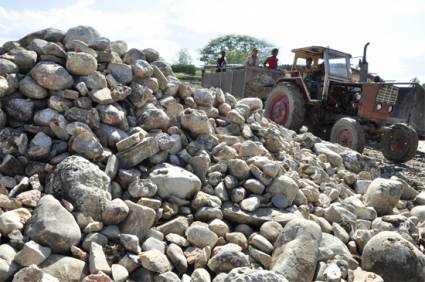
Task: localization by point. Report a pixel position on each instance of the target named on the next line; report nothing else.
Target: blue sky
(394, 28)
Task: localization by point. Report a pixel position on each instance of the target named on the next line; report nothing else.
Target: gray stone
(93, 81)
(142, 188)
(13, 220)
(250, 204)
(33, 273)
(247, 274)
(40, 146)
(142, 69)
(52, 225)
(52, 76)
(383, 195)
(81, 183)
(137, 153)
(175, 181)
(139, 220)
(334, 158)
(32, 253)
(201, 236)
(140, 95)
(115, 211)
(254, 186)
(101, 96)
(119, 273)
(155, 261)
(286, 186)
(297, 249)
(85, 34)
(121, 72)
(87, 145)
(239, 169)
(177, 257)
(66, 269)
(195, 121)
(119, 47)
(151, 117)
(227, 260)
(151, 55)
(25, 59)
(393, 258)
(177, 226)
(20, 109)
(203, 97)
(80, 63)
(258, 217)
(97, 260)
(7, 67)
(31, 89)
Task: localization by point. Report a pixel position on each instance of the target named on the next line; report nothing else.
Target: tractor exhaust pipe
(364, 65)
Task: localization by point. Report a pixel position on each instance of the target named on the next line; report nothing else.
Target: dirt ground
(412, 171)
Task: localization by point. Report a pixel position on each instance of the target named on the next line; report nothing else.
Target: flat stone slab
(257, 217)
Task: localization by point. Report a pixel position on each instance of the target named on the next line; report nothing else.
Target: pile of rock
(114, 170)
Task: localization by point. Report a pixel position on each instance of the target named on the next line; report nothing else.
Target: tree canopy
(183, 57)
(237, 48)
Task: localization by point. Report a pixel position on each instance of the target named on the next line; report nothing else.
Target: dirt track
(412, 171)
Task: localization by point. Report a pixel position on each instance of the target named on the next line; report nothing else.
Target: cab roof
(315, 51)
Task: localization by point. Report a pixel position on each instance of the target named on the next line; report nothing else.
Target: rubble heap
(114, 170)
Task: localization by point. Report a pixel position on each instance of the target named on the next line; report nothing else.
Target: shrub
(183, 68)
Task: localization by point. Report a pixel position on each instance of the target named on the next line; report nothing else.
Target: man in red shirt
(271, 62)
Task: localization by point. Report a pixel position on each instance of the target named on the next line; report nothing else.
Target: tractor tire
(285, 106)
(399, 143)
(349, 133)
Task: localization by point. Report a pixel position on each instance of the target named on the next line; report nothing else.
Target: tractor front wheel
(285, 106)
(399, 143)
(349, 133)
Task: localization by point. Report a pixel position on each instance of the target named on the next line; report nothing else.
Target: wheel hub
(280, 110)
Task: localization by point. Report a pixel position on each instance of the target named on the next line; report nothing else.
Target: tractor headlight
(390, 108)
(378, 106)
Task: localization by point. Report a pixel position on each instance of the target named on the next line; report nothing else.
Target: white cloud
(394, 28)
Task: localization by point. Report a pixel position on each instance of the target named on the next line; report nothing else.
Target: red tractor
(322, 96)
(319, 92)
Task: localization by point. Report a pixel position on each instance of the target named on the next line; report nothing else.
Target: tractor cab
(319, 67)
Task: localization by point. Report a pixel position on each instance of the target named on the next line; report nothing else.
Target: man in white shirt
(253, 60)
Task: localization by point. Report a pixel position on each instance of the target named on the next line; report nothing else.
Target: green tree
(237, 48)
(183, 57)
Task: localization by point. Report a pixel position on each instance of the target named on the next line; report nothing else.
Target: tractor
(319, 93)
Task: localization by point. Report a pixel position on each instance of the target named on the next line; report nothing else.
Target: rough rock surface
(112, 169)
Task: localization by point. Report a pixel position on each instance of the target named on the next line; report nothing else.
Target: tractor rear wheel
(399, 143)
(349, 133)
(285, 106)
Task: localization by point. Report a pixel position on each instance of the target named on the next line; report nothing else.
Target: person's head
(275, 51)
(308, 62)
(223, 54)
(254, 51)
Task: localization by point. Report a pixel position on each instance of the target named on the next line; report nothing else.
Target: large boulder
(246, 274)
(297, 249)
(80, 63)
(383, 195)
(82, 183)
(66, 269)
(52, 76)
(175, 181)
(86, 34)
(393, 258)
(52, 225)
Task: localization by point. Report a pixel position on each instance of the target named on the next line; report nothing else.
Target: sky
(395, 29)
